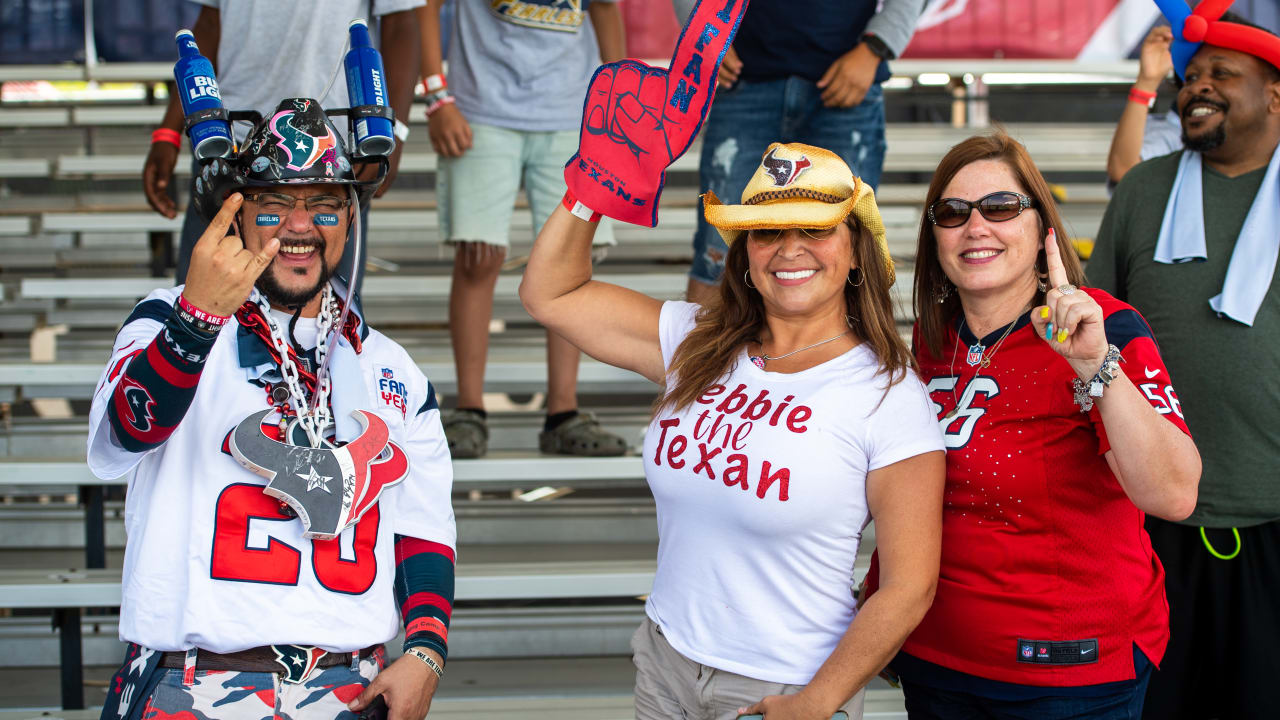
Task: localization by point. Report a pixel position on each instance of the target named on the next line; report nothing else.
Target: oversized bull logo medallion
(329, 488)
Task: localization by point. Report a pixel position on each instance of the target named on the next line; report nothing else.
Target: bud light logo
(378, 97)
(202, 86)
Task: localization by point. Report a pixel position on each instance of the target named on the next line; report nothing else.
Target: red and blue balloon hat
(1193, 28)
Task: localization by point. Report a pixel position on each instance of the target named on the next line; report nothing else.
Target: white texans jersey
(213, 562)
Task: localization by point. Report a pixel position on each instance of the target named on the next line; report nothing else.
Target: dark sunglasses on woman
(996, 207)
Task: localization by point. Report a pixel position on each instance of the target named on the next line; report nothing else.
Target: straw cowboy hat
(800, 186)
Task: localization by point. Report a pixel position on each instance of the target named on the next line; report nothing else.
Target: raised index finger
(1053, 259)
(694, 65)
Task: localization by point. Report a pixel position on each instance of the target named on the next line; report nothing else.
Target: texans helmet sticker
(783, 171)
(302, 148)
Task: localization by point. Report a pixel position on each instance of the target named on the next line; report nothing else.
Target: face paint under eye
(264, 219)
(326, 218)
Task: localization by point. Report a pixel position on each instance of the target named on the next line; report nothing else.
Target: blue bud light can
(367, 85)
(198, 89)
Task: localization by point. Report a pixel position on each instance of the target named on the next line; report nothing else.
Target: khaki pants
(671, 686)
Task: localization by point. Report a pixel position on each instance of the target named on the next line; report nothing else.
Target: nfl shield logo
(1027, 651)
(974, 356)
(386, 373)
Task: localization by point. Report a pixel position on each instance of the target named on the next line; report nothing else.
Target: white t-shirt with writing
(761, 501)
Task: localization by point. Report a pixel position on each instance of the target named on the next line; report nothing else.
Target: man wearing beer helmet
(289, 502)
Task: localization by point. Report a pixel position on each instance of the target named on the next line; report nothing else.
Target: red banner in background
(1083, 29)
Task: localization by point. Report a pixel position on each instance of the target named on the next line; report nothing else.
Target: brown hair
(736, 315)
(933, 317)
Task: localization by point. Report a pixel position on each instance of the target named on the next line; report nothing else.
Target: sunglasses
(768, 235)
(281, 204)
(996, 207)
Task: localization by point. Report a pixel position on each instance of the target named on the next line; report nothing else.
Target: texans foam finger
(694, 65)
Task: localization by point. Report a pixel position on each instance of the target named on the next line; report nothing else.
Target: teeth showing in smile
(1202, 110)
(297, 249)
(795, 275)
(980, 254)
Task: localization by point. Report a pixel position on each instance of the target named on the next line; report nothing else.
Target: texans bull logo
(303, 148)
(783, 171)
(329, 488)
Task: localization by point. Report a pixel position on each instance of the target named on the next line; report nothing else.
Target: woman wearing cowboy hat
(792, 416)
(1062, 429)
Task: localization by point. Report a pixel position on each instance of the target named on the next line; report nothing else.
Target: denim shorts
(747, 117)
(476, 193)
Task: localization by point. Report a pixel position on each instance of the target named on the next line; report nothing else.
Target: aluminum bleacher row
(556, 576)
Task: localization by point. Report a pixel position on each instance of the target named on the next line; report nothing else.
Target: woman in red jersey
(1062, 429)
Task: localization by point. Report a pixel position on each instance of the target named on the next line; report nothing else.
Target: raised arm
(1155, 462)
(905, 499)
(1154, 63)
(610, 323)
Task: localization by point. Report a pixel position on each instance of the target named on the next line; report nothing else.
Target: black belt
(260, 659)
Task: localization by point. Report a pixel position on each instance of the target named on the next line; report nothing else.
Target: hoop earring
(861, 277)
(1042, 278)
(746, 278)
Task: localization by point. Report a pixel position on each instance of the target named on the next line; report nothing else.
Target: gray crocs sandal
(581, 435)
(467, 433)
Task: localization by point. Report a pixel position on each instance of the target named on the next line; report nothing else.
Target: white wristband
(401, 131)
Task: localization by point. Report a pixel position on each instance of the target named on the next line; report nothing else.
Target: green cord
(1215, 553)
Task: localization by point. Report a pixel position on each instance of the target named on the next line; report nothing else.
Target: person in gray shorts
(509, 113)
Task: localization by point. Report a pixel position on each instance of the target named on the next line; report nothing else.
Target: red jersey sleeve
(1141, 363)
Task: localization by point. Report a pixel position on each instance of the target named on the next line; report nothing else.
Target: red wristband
(173, 137)
(200, 314)
(578, 209)
(1142, 97)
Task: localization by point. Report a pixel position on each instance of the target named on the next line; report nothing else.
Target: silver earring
(861, 279)
(943, 291)
(746, 278)
(1040, 281)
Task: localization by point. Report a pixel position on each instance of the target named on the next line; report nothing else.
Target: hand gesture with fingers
(222, 270)
(1071, 321)
(638, 119)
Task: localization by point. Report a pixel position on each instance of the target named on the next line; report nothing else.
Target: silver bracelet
(430, 661)
(1101, 380)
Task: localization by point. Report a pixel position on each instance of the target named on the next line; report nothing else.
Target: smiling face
(801, 272)
(1224, 101)
(311, 236)
(982, 256)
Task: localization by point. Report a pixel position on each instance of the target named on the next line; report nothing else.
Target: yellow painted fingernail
(1044, 312)
(1062, 335)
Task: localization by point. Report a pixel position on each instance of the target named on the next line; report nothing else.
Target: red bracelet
(446, 100)
(578, 209)
(200, 314)
(173, 137)
(1142, 97)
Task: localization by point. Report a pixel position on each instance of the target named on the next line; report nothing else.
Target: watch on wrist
(877, 46)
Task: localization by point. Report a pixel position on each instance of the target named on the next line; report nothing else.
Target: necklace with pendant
(762, 358)
(977, 356)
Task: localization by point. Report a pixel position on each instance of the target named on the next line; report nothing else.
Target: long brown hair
(736, 316)
(933, 317)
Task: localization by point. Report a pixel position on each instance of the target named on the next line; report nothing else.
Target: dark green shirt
(1226, 374)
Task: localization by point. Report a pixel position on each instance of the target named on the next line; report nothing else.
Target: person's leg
(665, 679)
(926, 703)
(1250, 689)
(565, 430)
(222, 694)
(855, 134)
(1123, 704)
(727, 692)
(475, 194)
(742, 123)
(1189, 662)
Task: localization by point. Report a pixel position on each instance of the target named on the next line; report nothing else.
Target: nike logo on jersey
(1151, 373)
(1086, 651)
